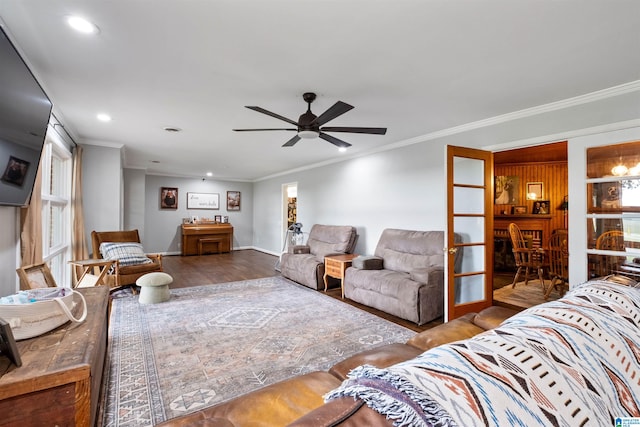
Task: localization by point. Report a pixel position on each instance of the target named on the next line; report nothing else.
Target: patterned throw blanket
(571, 362)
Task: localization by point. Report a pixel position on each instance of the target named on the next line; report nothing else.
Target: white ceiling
(417, 67)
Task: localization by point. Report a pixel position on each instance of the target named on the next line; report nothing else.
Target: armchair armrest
(427, 274)
(367, 262)
(300, 249)
(156, 257)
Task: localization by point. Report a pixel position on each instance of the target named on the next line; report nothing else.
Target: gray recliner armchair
(305, 263)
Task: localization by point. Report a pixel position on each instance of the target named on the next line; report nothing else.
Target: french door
(469, 239)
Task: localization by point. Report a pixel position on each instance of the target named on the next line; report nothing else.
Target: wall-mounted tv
(25, 110)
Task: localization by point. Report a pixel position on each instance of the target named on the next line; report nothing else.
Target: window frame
(57, 254)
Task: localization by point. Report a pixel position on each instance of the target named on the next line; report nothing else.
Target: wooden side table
(335, 266)
(87, 279)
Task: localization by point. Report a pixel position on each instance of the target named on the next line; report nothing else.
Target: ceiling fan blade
(338, 109)
(251, 130)
(269, 113)
(292, 141)
(372, 131)
(335, 141)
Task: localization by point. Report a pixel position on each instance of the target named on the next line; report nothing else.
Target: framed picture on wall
(507, 190)
(15, 171)
(169, 198)
(233, 200)
(535, 190)
(203, 201)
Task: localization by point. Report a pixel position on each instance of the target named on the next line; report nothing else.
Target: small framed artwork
(15, 171)
(540, 207)
(203, 201)
(519, 210)
(8, 345)
(217, 218)
(535, 190)
(233, 200)
(169, 198)
(36, 276)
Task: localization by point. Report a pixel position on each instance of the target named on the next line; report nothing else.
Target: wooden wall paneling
(553, 175)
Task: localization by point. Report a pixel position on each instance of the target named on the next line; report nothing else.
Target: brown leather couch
(299, 401)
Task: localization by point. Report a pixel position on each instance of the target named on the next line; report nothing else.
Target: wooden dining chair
(528, 259)
(612, 240)
(558, 254)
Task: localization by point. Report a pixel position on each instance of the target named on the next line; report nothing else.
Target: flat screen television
(25, 110)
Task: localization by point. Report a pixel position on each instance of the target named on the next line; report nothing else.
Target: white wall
(162, 226)
(102, 198)
(134, 200)
(401, 188)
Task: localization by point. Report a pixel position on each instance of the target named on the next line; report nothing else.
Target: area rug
(211, 343)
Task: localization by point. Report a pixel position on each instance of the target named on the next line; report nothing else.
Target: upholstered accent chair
(124, 247)
(305, 263)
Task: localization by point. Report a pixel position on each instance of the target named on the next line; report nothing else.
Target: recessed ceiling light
(342, 149)
(82, 25)
(172, 129)
(103, 117)
(209, 173)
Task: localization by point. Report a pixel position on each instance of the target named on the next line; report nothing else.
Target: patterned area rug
(209, 344)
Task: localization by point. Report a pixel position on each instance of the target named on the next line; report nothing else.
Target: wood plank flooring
(250, 264)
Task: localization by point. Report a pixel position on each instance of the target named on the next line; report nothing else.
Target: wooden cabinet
(219, 238)
(60, 379)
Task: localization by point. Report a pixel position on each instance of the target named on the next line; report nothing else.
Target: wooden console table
(220, 237)
(59, 382)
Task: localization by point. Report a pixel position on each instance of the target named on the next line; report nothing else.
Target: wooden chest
(59, 382)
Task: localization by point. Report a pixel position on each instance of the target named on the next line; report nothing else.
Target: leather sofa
(299, 401)
(404, 277)
(305, 263)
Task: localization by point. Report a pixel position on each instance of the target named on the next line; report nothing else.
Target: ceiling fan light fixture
(308, 134)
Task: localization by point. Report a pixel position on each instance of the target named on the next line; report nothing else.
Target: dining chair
(558, 254)
(527, 258)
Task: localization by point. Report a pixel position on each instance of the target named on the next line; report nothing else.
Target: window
(613, 211)
(56, 209)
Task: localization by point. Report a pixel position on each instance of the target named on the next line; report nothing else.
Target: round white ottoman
(154, 288)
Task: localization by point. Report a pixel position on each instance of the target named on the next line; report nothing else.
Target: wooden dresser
(59, 382)
(219, 238)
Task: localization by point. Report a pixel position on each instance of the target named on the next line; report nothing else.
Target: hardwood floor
(250, 264)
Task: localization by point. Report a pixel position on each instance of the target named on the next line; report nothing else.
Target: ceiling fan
(309, 125)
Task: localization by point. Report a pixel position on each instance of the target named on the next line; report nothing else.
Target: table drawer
(333, 269)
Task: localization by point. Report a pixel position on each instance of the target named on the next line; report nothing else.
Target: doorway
(545, 169)
(289, 207)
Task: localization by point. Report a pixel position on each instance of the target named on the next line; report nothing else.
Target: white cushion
(154, 279)
(127, 253)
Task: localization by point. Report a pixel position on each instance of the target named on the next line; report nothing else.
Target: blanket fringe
(394, 397)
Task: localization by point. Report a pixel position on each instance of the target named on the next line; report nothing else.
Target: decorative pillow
(127, 253)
